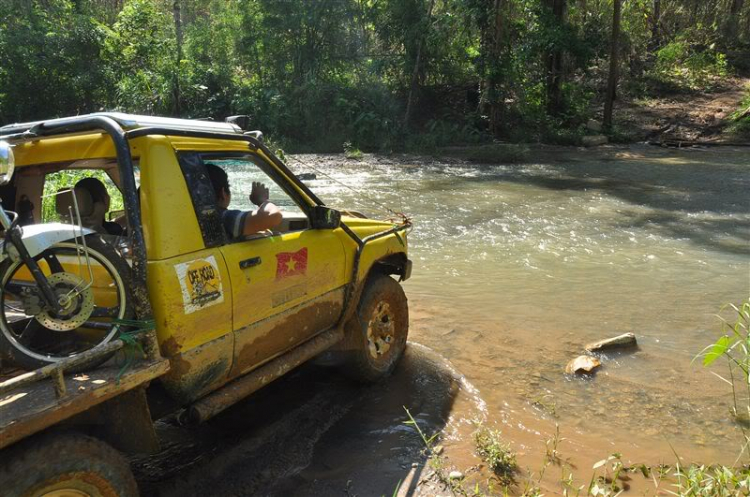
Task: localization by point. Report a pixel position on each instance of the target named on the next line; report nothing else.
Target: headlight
(7, 162)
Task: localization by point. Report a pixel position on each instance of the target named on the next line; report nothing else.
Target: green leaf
(717, 350)
(398, 487)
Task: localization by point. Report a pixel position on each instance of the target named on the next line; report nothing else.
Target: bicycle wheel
(93, 282)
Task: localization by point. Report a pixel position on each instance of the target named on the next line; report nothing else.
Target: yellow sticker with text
(200, 281)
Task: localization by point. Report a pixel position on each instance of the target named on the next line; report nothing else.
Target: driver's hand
(259, 193)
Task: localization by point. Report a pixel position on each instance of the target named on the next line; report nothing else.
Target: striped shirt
(234, 222)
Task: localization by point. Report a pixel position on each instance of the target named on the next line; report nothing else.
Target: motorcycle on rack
(64, 290)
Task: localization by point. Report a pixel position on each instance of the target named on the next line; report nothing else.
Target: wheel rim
(381, 331)
(66, 492)
(75, 312)
(77, 485)
(15, 339)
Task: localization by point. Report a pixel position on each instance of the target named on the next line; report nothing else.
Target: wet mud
(315, 433)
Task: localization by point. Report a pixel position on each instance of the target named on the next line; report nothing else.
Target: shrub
(498, 455)
(688, 65)
(734, 346)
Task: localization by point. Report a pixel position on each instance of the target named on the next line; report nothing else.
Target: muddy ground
(315, 433)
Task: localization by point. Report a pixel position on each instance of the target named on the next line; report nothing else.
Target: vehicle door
(288, 284)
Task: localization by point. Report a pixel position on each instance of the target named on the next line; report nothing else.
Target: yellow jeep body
(220, 310)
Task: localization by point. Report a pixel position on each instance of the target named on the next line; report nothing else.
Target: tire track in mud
(314, 433)
(248, 447)
(275, 452)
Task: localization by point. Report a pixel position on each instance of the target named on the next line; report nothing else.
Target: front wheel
(65, 465)
(91, 283)
(376, 337)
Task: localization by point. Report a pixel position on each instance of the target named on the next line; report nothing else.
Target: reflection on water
(516, 267)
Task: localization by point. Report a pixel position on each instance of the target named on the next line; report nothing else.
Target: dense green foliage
(378, 74)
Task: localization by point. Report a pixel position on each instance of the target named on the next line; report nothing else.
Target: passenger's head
(220, 182)
(97, 190)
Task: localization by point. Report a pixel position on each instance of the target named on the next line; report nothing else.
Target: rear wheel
(65, 465)
(376, 337)
(95, 295)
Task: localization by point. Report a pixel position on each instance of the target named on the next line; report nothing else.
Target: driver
(239, 223)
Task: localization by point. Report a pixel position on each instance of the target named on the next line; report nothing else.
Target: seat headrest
(64, 201)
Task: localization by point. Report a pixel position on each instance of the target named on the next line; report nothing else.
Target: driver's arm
(266, 217)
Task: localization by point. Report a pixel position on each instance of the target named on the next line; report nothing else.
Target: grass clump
(700, 480)
(498, 455)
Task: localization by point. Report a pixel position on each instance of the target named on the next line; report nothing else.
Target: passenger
(101, 200)
(239, 223)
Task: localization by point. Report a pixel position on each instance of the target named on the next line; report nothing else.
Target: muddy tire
(54, 464)
(376, 336)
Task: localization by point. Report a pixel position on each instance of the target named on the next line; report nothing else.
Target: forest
(379, 75)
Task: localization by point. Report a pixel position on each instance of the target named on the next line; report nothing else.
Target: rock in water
(622, 341)
(594, 140)
(455, 475)
(582, 364)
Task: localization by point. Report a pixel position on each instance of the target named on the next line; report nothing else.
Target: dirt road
(684, 116)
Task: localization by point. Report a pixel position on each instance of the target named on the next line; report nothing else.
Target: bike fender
(39, 237)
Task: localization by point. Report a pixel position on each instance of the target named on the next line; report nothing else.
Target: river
(517, 267)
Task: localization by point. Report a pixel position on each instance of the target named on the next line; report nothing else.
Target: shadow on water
(686, 198)
(309, 433)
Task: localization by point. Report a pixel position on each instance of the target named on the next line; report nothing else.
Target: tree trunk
(177, 107)
(492, 38)
(554, 61)
(733, 21)
(414, 87)
(655, 42)
(613, 63)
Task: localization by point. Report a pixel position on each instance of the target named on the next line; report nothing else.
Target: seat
(92, 213)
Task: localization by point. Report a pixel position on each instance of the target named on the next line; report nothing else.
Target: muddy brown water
(516, 268)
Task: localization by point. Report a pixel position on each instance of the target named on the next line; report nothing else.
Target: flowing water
(517, 267)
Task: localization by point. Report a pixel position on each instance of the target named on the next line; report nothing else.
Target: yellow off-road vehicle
(106, 327)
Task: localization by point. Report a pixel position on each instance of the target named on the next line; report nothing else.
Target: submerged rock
(582, 364)
(621, 341)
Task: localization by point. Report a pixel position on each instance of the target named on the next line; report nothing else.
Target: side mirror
(325, 218)
(7, 162)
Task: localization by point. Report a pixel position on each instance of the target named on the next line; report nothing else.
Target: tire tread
(42, 458)
(357, 365)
